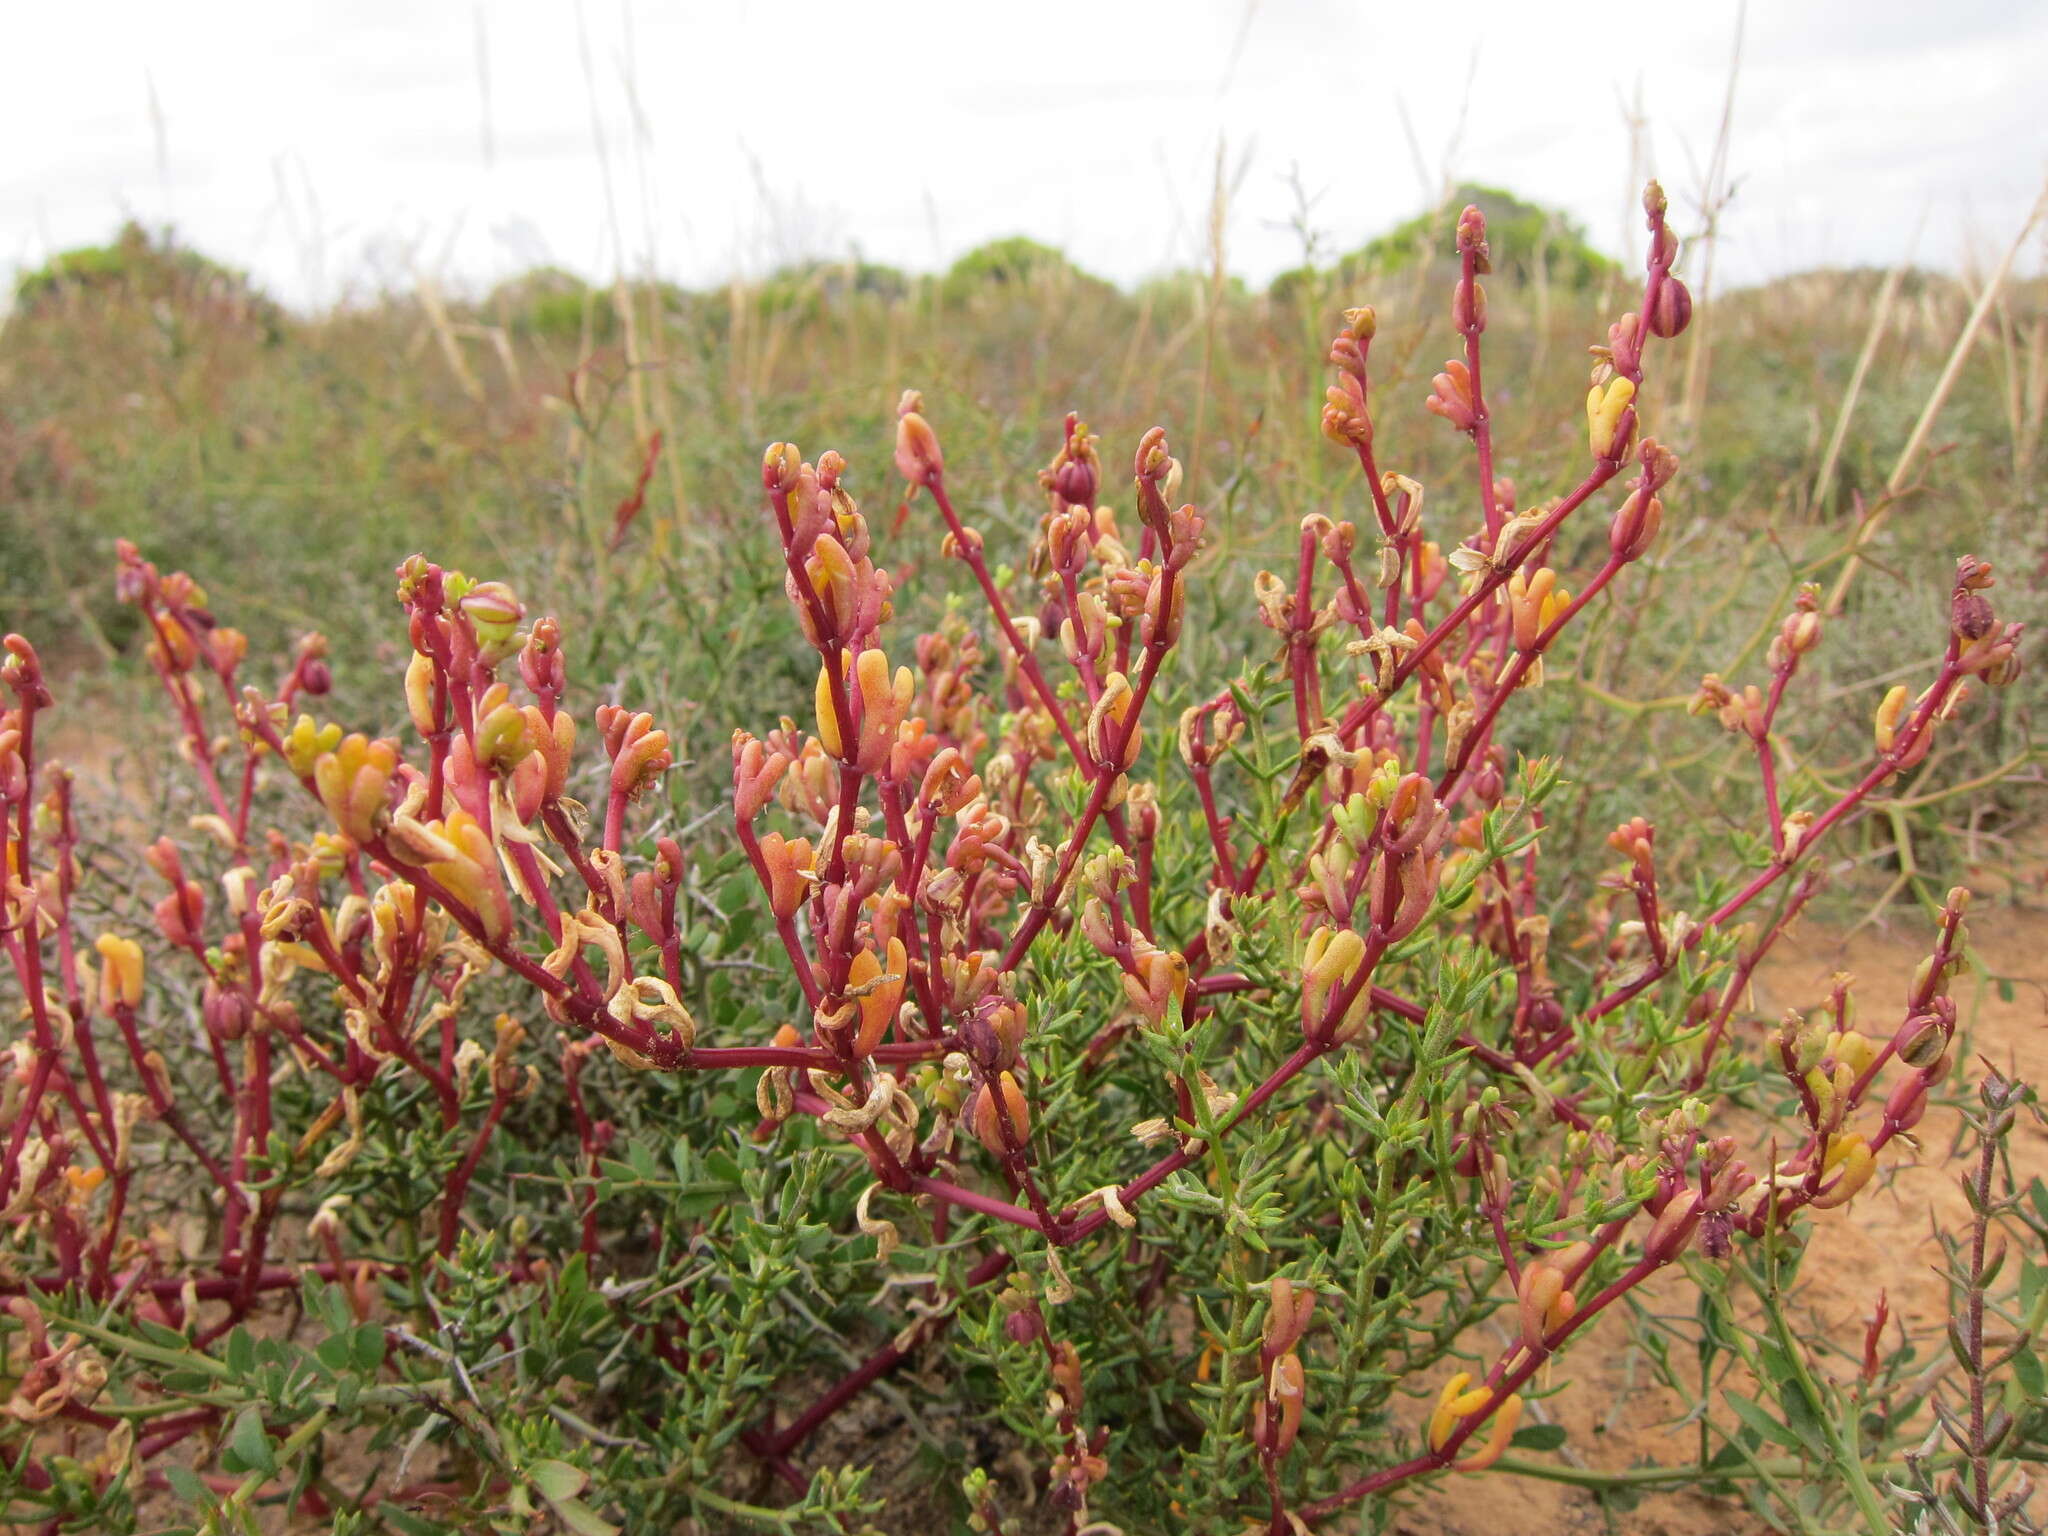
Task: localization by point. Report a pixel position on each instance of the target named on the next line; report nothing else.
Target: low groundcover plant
(1175, 1093)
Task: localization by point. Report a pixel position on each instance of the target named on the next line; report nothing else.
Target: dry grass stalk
(444, 336)
(1880, 316)
(1939, 397)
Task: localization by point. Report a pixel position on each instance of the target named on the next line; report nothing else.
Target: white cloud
(299, 137)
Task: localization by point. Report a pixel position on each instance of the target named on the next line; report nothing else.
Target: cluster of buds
(1834, 1068)
(1988, 649)
(1347, 417)
(1387, 852)
(337, 959)
(1451, 397)
(907, 940)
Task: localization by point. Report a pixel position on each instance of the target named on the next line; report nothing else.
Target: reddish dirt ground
(1883, 1243)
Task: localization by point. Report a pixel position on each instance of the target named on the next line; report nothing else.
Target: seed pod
(1921, 1040)
(1852, 1048)
(773, 1096)
(493, 613)
(1672, 312)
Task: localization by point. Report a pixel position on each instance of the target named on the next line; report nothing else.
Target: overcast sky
(335, 145)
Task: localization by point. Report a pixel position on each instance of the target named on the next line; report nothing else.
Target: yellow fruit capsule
(1885, 723)
(828, 718)
(1442, 1420)
(1858, 1164)
(419, 693)
(120, 972)
(1499, 1434)
(1604, 408)
(884, 994)
(1332, 955)
(1852, 1048)
(304, 743)
(884, 702)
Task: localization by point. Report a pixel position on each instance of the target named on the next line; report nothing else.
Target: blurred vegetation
(290, 461)
(1533, 247)
(138, 264)
(1529, 243)
(549, 301)
(1015, 265)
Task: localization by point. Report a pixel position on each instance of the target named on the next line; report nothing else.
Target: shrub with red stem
(1322, 988)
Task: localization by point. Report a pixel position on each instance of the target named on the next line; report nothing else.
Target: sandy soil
(1882, 1244)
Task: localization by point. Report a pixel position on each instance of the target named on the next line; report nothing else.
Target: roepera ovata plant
(1018, 907)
